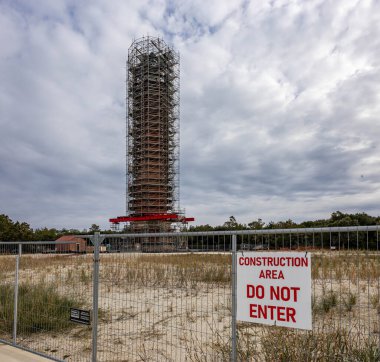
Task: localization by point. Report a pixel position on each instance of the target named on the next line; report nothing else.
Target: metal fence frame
(97, 239)
(19, 245)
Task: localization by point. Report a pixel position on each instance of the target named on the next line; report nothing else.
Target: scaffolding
(153, 110)
(153, 128)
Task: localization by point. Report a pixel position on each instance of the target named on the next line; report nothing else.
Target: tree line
(16, 231)
(21, 231)
(346, 240)
(337, 218)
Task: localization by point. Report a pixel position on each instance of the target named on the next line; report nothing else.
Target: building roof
(71, 238)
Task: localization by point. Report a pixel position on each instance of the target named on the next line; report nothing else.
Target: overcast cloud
(280, 105)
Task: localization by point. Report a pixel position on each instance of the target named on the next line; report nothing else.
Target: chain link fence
(172, 297)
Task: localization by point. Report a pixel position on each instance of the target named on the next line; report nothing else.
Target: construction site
(154, 293)
(153, 112)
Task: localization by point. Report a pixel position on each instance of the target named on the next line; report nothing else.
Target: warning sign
(274, 288)
(80, 316)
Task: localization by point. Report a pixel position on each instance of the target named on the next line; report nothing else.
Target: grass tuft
(40, 309)
(285, 345)
(349, 301)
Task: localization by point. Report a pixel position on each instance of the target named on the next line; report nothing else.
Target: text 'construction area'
(274, 288)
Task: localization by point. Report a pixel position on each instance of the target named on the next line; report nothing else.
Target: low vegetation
(40, 309)
(282, 345)
(268, 344)
(181, 303)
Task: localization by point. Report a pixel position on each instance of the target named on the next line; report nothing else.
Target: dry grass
(41, 308)
(346, 265)
(268, 344)
(157, 304)
(180, 270)
(287, 345)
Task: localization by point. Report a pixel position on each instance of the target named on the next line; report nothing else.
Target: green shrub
(40, 308)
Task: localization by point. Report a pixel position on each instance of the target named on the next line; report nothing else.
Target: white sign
(274, 288)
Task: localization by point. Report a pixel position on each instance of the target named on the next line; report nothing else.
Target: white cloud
(279, 108)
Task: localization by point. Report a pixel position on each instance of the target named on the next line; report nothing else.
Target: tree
(94, 228)
(46, 234)
(10, 231)
(256, 224)
(6, 228)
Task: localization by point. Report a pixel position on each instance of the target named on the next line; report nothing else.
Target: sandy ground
(143, 319)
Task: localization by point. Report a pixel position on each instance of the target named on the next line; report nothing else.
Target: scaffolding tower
(153, 110)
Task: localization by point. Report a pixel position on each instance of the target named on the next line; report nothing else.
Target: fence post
(95, 296)
(233, 312)
(15, 302)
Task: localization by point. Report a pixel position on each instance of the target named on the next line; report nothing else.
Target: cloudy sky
(280, 107)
